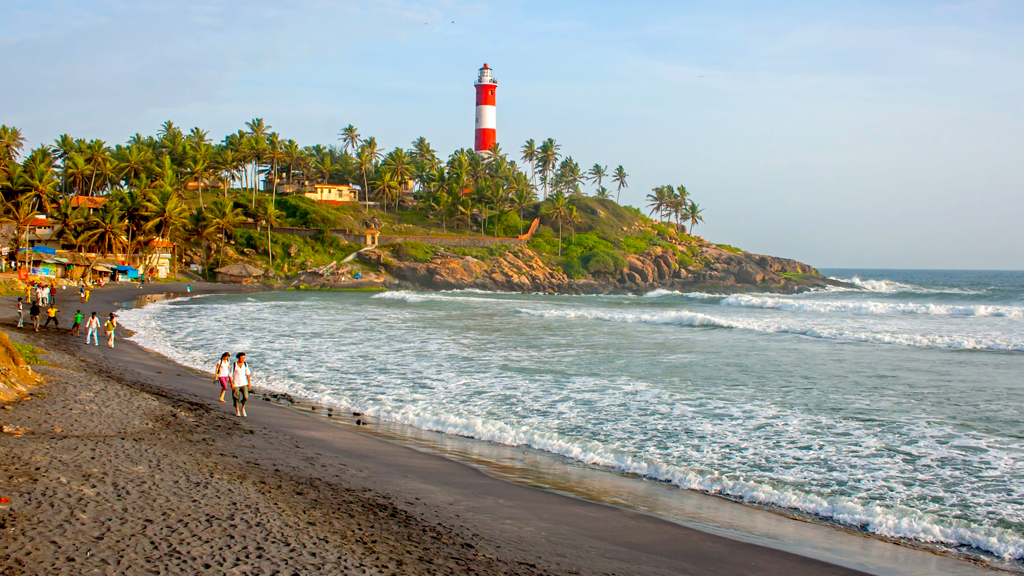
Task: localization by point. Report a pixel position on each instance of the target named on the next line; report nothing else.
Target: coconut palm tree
(11, 145)
(105, 229)
(200, 228)
(224, 218)
(265, 214)
(558, 210)
(523, 195)
(400, 166)
(20, 212)
(658, 200)
(165, 213)
(275, 154)
(349, 136)
(619, 179)
(693, 214)
(423, 153)
(530, 155)
(548, 159)
(440, 206)
(386, 186)
(597, 174)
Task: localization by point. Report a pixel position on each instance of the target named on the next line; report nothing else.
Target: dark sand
(131, 466)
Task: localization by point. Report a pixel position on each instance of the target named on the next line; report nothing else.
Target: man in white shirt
(241, 384)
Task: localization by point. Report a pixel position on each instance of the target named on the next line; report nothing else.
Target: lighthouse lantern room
(486, 116)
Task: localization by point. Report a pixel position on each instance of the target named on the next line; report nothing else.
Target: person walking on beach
(222, 374)
(87, 292)
(21, 312)
(92, 326)
(241, 384)
(109, 329)
(51, 315)
(75, 328)
(81, 292)
(34, 311)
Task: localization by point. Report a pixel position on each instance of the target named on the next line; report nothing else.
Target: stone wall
(453, 241)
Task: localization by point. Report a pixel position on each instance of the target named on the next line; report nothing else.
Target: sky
(843, 134)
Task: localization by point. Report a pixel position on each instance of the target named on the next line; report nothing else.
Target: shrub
(635, 244)
(573, 268)
(508, 225)
(603, 262)
(544, 242)
(728, 248)
(29, 353)
(685, 261)
(412, 251)
(634, 211)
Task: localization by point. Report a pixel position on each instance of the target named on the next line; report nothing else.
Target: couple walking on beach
(238, 377)
(92, 326)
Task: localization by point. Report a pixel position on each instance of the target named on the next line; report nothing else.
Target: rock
(292, 250)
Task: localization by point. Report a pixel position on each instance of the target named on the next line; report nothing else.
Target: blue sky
(856, 134)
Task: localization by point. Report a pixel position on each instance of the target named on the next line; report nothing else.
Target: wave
(696, 319)
(868, 307)
(892, 522)
(893, 287)
(420, 297)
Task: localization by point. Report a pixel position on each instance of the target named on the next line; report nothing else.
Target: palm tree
(558, 210)
(165, 214)
(266, 215)
(105, 229)
(96, 155)
(422, 152)
(660, 200)
(603, 192)
(574, 219)
(597, 174)
(548, 158)
(523, 195)
(200, 228)
(349, 136)
(530, 155)
(224, 218)
(693, 214)
(275, 153)
(619, 179)
(366, 159)
(386, 186)
(21, 213)
(440, 206)
(397, 162)
(197, 168)
(11, 144)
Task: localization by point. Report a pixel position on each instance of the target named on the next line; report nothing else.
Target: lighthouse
(486, 112)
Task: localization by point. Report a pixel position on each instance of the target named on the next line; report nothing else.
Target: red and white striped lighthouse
(486, 111)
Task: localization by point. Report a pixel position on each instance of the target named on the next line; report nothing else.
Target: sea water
(894, 408)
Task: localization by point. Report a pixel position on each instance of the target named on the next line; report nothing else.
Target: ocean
(894, 409)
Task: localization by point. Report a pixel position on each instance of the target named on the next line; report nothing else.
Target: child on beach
(51, 315)
(241, 384)
(92, 326)
(109, 328)
(222, 374)
(87, 292)
(75, 330)
(21, 313)
(81, 293)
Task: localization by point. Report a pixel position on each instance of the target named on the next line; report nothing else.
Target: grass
(29, 353)
(728, 248)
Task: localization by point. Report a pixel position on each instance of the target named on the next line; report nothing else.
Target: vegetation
(29, 353)
(218, 202)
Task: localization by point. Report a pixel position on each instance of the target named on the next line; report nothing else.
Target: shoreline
(653, 542)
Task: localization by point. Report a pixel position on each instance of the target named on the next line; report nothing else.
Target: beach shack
(239, 274)
(124, 273)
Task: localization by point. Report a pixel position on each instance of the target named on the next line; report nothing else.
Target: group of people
(236, 376)
(38, 295)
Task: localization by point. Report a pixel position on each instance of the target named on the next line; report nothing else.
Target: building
(41, 232)
(486, 111)
(90, 203)
(157, 258)
(332, 193)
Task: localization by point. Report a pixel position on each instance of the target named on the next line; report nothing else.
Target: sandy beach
(130, 465)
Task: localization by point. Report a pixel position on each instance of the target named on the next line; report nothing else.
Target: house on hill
(332, 193)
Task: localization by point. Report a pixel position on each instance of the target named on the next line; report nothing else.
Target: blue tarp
(40, 250)
(126, 271)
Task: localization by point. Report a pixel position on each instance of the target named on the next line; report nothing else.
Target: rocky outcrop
(705, 268)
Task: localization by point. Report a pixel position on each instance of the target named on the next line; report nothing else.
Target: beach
(130, 465)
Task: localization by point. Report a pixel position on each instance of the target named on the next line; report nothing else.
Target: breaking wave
(697, 319)
(868, 307)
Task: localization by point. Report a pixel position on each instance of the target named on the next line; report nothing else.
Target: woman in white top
(241, 384)
(222, 374)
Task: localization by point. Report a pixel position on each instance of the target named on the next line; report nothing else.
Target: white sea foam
(825, 332)
(893, 287)
(433, 395)
(659, 292)
(868, 307)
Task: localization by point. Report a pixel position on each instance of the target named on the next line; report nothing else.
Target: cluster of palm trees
(153, 186)
(565, 175)
(674, 202)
